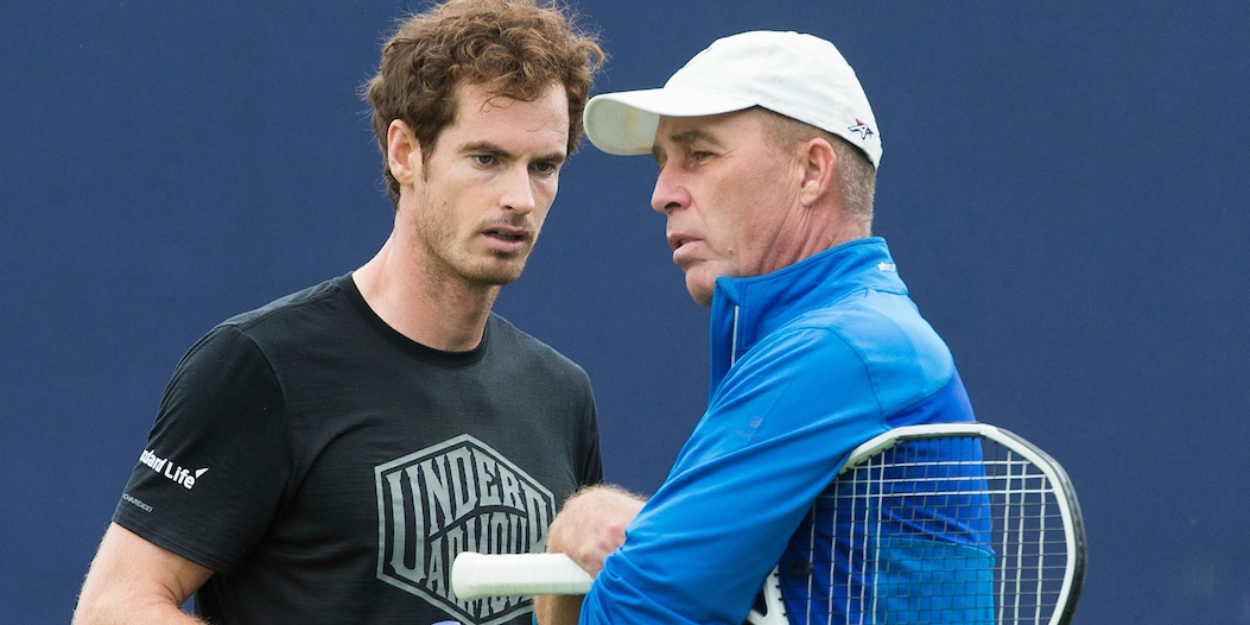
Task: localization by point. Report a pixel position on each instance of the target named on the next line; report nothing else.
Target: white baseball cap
(799, 76)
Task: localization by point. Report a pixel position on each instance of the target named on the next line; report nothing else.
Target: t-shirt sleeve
(592, 466)
(776, 431)
(218, 459)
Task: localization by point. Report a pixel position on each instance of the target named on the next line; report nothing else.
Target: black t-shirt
(328, 469)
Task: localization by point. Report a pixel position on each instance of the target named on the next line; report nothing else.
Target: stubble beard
(450, 256)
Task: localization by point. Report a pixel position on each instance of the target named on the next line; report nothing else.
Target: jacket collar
(744, 310)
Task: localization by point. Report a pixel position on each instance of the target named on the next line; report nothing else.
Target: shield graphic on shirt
(459, 495)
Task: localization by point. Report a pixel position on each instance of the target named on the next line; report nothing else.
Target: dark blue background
(1064, 187)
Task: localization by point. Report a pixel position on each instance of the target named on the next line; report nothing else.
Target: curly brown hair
(516, 48)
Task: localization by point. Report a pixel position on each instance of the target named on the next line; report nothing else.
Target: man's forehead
(484, 99)
(714, 130)
(485, 117)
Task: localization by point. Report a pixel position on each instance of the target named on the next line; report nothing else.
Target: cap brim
(624, 123)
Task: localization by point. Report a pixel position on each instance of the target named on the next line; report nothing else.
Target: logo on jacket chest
(459, 495)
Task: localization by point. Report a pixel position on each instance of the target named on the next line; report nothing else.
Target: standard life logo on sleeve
(166, 467)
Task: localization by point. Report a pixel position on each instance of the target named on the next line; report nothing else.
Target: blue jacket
(807, 363)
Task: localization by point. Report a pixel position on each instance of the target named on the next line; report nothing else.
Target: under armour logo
(458, 495)
(863, 129)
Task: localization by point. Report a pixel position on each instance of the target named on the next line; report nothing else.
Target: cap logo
(863, 129)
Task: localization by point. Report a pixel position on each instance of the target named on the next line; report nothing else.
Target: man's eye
(544, 168)
(484, 159)
(694, 158)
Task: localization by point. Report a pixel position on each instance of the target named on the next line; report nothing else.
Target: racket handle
(474, 575)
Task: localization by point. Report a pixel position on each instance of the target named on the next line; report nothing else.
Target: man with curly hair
(324, 458)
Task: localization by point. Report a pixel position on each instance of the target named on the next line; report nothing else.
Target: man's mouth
(676, 242)
(508, 235)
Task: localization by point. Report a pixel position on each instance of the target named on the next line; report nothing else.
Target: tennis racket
(945, 523)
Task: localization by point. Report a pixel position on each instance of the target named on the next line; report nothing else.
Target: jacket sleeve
(782, 422)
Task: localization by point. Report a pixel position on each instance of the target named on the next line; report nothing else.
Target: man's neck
(421, 301)
(811, 231)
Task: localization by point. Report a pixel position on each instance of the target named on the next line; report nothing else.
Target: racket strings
(943, 530)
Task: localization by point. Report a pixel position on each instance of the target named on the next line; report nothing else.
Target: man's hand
(592, 524)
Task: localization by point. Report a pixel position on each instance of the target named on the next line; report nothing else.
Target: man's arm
(777, 428)
(590, 526)
(135, 582)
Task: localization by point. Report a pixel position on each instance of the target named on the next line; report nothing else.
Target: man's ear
(401, 148)
(820, 164)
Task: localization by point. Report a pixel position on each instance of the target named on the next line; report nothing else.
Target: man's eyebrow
(685, 138)
(694, 135)
(486, 147)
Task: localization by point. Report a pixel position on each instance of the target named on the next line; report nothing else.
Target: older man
(768, 151)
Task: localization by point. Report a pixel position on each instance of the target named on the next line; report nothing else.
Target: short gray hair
(856, 177)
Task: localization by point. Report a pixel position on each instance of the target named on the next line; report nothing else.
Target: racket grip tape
(475, 575)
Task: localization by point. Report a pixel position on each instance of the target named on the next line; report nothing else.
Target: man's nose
(518, 195)
(669, 194)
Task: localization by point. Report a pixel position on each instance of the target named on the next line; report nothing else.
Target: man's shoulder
(873, 321)
(518, 344)
(301, 309)
(885, 333)
(278, 327)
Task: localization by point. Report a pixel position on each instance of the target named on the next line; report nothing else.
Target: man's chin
(499, 274)
(700, 290)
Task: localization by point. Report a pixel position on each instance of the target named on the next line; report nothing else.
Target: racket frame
(1065, 494)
